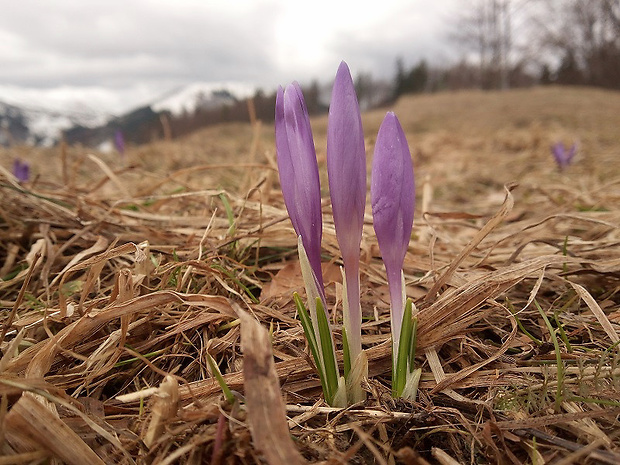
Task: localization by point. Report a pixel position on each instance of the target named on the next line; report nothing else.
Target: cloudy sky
(122, 53)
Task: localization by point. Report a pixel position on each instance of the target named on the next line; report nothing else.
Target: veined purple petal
(346, 169)
(299, 172)
(392, 192)
(346, 164)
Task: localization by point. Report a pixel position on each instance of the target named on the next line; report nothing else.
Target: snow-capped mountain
(40, 126)
(42, 117)
(38, 116)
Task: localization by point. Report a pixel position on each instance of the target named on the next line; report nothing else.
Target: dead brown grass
(119, 277)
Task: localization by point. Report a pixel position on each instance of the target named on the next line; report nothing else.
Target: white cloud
(158, 44)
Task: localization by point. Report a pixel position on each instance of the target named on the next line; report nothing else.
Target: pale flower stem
(397, 306)
(352, 309)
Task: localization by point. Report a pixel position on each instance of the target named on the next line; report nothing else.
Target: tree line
(510, 43)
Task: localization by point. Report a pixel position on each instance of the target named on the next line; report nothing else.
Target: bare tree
(484, 31)
(586, 35)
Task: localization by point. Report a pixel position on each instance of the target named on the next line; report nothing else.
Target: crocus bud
(562, 156)
(119, 142)
(346, 168)
(392, 192)
(299, 172)
(21, 170)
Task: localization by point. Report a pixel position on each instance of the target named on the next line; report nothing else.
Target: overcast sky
(121, 52)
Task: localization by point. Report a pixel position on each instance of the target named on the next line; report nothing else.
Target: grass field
(121, 276)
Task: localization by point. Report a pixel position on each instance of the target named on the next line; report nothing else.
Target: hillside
(119, 270)
(91, 116)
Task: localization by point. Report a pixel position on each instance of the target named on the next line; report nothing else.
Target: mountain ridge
(77, 122)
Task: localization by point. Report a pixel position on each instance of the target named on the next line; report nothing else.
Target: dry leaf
(266, 409)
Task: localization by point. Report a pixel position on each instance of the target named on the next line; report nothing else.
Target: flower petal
(346, 164)
(392, 192)
(298, 170)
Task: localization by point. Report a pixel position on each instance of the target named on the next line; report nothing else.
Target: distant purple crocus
(562, 156)
(119, 142)
(299, 172)
(21, 170)
(392, 192)
(346, 168)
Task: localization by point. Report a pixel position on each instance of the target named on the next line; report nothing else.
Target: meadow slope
(121, 276)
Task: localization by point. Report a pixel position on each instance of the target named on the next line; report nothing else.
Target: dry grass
(120, 276)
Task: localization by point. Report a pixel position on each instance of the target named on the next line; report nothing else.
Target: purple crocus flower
(562, 156)
(21, 170)
(392, 193)
(119, 142)
(346, 168)
(299, 172)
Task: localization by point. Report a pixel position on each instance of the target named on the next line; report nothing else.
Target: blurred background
(87, 72)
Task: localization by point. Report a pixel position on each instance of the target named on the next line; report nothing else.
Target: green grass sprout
(215, 371)
(558, 357)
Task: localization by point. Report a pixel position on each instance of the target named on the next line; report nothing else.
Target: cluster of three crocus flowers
(393, 200)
